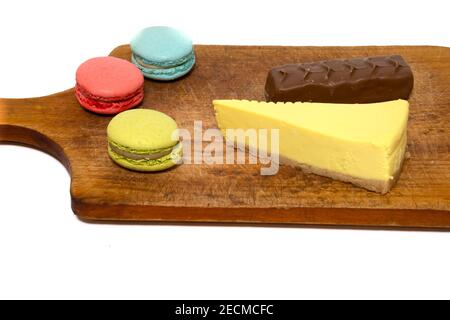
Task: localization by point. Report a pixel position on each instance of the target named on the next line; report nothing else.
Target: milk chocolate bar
(363, 80)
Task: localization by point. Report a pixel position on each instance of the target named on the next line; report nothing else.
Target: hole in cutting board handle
(11, 134)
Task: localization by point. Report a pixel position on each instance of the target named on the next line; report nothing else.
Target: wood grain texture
(237, 193)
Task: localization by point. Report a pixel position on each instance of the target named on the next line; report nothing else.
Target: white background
(46, 252)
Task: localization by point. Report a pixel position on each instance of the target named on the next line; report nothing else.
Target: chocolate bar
(363, 80)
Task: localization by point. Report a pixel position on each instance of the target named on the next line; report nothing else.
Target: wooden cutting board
(238, 193)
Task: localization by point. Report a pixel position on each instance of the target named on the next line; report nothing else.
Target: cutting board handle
(24, 122)
(40, 122)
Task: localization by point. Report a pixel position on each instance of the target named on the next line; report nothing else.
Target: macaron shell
(109, 77)
(161, 45)
(161, 164)
(143, 130)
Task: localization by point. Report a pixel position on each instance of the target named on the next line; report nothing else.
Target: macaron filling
(163, 64)
(174, 156)
(147, 155)
(175, 68)
(85, 98)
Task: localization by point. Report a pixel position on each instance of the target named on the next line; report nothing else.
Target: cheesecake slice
(363, 144)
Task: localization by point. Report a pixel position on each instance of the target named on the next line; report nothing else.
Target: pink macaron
(108, 85)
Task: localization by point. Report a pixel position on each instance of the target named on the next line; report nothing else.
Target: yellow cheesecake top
(381, 124)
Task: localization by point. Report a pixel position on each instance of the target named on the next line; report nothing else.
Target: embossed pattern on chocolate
(361, 80)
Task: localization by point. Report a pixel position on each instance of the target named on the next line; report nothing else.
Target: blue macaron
(163, 53)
